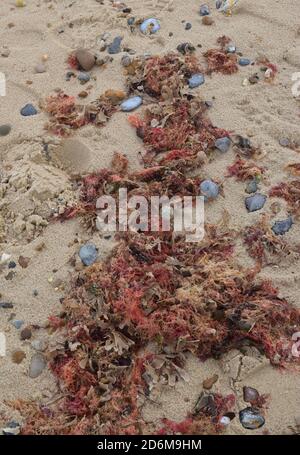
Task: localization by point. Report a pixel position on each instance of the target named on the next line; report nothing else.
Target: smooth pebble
(84, 77)
(256, 202)
(115, 46)
(37, 365)
(283, 226)
(5, 129)
(244, 61)
(196, 80)
(88, 254)
(204, 10)
(28, 110)
(85, 59)
(251, 419)
(131, 103)
(223, 144)
(209, 189)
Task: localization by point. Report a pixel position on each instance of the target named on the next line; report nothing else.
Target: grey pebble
(5, 129)
(256, 202)
(37, 365)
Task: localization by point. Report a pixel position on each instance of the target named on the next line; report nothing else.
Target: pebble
(204, 10)
(40, 68)
(39, 345)
(252, 187)
(18, 356)
(256, 202)
(5, 52)
(23, 262)
(115, 46)
(209, 189)
(231, 49)
(250, 394)
(188, 26)
(126, 60)
(185, 48)
(12, 265)
(6, 305)
(17, 324)
(206, 20)
(5, 130)
(28, 110)
(25, 334)
(131, 103)
(251, 419)
(37, 365)
(150, 26)
(131, 20)
(208, 383)
(85, 59)
(88, 254)
(244, 61)
(284, 142)
(282, 227)
(225, 420)
(196, 80)
(223, 144)
(84, 77)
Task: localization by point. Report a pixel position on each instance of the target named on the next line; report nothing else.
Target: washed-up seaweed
(220, 61)
(245, 170)
(290, 192)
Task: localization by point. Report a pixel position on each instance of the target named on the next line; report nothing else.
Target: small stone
(204, 10)
(225, 421)
(209, 189)
(23, 262)
(131, 20)
(188, 26)
(84, 77)
(284, 142)
(131, 103)
(196, 80)
(83, 94)
(244, 61)
(126, 61)
(150, 26)
(40, 68)
(254, 79)
(231, 49)
(18, 356)
(12, 265)
(5, 130)
(185, 48)
(208, 383)
(282, 227)
(37, 365)
(25, 334)
(250, 394)
(115, 46)
(88, 254)
(223, 144)
(256, 202)
(28, 110)
(251, 419)
(6, 305)
(252, 187)
(17, 324)
(5, 52)
(39, 345)
(206, 20)
(85, 59)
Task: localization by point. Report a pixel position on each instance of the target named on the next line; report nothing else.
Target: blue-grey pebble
(115, 46)
(283, 226)
(131, 103)
(223, 144)
(17, 324)
(5, 130)
(204, 10)
(196, 80)
(28, 110)
(88, 254)
(252, 187)
(84, 77)
(256, 202)
(209, 189)
(251, 419)
(244, 61)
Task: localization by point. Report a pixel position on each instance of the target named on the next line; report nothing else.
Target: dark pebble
(5, 130)
(6, 305)
(115, 46)
(252, 187)
(250, 394)
(282, 227)
(251, 419)
(256, 202)
(204, 10)
(185, 48)
(188, 26)
(12, 265)
(25, 334)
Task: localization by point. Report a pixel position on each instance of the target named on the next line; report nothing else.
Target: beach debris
(196, 80)
(12, 429)
(150, 26)
(37, 365)
(251, 419)
(231, 48)
(252, 187)
(254, 79)
(204, 10)
(28, 110)
(6, 305)
(226, 6)
(115, 46)
(256, 202)
(85, 59)
(223, 144)
(20, 3)
(88, 254)
(219, 60)
(209, 382)
(290, 192)
(209, 189)
(25, 334)
(131, 103)
(5, 129)
(188, 26)
(282, 227)
(40, 68)
(18, 356)
(84, 77)
(185, 48)
(224, 420)
(244, 61)
(293, 169)
(250, 394)
(244, 170)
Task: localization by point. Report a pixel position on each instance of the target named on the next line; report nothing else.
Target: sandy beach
(39, 179)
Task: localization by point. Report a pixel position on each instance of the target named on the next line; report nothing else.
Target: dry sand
(39, 182)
